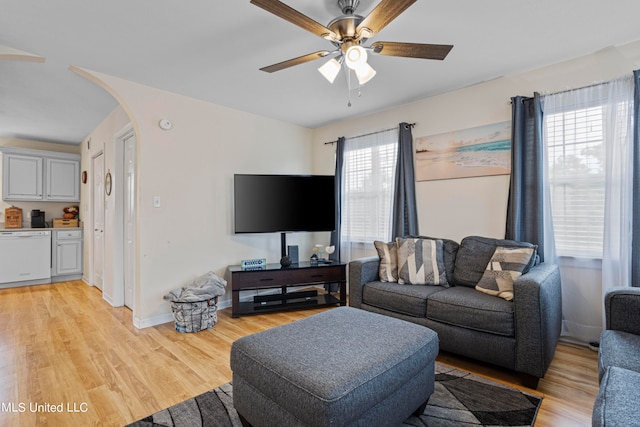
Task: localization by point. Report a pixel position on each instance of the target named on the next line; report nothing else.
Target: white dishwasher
(25, 255)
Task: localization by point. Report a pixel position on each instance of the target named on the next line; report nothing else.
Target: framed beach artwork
(479, 151)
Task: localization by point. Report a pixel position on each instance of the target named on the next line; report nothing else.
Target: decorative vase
(285, 261)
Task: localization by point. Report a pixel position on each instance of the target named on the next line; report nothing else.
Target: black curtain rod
(590, 86)
(370, 133)
(580, 88)
(522, 100)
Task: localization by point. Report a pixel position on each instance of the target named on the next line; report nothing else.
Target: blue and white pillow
(388, 254)
(505, 266)
(421, 262)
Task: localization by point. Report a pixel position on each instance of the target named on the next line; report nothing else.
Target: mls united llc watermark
(22, 407)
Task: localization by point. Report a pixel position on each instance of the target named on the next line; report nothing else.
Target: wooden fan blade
(295, 61)
(412, 50)
(289, 14)
(385, 12)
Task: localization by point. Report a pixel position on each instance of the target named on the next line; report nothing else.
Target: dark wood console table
(274, 276)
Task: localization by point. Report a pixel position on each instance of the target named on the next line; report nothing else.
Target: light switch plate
(156, 201)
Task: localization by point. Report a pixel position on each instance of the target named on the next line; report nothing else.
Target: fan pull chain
(348, 75)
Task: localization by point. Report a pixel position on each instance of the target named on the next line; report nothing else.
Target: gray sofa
(619, 360)
(520, 335)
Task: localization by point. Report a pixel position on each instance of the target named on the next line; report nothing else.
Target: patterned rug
(460, 399)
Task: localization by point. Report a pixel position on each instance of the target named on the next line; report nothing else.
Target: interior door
(129, 219)
(98, 220)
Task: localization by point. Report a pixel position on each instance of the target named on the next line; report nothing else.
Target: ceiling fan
(348, 33)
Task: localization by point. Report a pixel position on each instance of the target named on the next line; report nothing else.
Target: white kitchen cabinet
(22, 177)
(35, 175)
(63, 180)
(66, 254)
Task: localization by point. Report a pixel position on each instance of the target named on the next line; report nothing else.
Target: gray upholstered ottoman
(342, 367)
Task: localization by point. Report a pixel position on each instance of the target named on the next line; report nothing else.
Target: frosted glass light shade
(355, 56)
(330, 70)
(365, 72)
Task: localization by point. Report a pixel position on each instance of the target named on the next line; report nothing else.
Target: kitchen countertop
(38, 229)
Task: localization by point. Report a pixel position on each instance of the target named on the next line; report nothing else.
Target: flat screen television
(283, 203)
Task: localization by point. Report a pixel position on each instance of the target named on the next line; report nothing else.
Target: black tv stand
(275, 277)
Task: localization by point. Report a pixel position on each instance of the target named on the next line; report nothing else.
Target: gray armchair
(619, 360)
(622, 309)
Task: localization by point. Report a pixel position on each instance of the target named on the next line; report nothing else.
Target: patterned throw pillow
(421, 262)
(506, 265)
(388, 253)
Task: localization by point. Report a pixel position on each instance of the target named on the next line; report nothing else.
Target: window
(585, 132)
(368, 183)
(574, 141)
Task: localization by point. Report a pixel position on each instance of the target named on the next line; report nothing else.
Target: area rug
(460, 399)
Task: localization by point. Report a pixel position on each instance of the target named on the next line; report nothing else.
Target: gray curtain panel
(635, 240)
(335, 234)
(525, 214)
(405, 211)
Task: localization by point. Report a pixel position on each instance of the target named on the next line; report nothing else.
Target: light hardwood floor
(62, 345)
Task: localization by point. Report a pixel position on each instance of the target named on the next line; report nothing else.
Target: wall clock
(107, 184)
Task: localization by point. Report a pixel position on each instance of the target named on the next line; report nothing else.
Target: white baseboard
(108, 299)
(25, 283)
(152, 321)
(167, 317)
(224, 304)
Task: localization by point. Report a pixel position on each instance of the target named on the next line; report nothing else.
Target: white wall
(52, 209)
(447, 208)
(190, 168)
(459, 207)
(477, 206)
(101, 140)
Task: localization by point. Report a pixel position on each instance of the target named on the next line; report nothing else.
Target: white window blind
(368, 183)
(578, 138)
(574, 140)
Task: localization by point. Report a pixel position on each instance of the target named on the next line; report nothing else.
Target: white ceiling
(213, 49)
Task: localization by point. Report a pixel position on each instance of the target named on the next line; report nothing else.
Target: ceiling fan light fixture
(349, 33)
(330, 69)
(355, 56)
(332, 37)
(365, 33)
(348, 7)
(364, 73)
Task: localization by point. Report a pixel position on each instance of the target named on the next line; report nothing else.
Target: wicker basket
(65, 223)
(195, 316)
